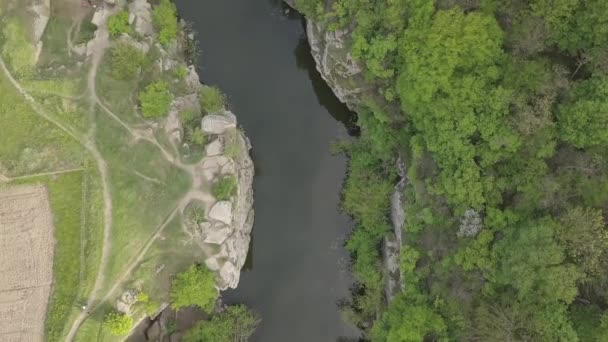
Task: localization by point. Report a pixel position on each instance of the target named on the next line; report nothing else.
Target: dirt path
(42, 174)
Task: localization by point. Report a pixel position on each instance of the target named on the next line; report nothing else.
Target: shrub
(195, 286)
(236, 323)
(198, 137)
(119, 323)
(181, 72)
(119, 24)
(232, 146)
(155, 100)
(187, 115)
(126, 61)
(224, 188)
(212, 99)
(165, 19)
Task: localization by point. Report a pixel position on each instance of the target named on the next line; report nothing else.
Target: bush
(232, 146)
(224, 188)
(126, 61)
(155, 100)
(236, 323)
(165, 19)
(119, 323)
(212, 99)
(119, 24)
(195, 286)
(181, 72)
(198, 137)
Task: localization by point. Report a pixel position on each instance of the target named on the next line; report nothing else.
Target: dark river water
(257, 54)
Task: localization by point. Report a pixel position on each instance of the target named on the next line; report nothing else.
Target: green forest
(499, 110)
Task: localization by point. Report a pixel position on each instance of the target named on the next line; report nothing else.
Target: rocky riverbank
(331, 50)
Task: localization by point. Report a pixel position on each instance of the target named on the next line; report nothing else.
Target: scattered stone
(192, 79)
(221, 211)
(229, 168)
(214, 148)
(100, 16)
(126, 301)
(142, 46)
(217, 124)
(80, 49)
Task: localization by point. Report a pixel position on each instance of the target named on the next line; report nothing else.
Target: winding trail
(42, 174)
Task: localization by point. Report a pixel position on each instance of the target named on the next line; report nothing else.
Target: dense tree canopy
(235, 323)
(195, 286)
(502, 123)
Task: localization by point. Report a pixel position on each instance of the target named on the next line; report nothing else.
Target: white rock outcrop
(221, 211)
(218, 123)
(140, 16)
(217, 233)
(393, 241)
(214, 148)
(331, 51)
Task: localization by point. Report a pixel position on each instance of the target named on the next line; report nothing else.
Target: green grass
(140, 205)
(17, 49)
(66, 199)
(28, 143)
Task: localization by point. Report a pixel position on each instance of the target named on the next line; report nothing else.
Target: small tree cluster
(126, 60)
(119, 24)
(195, 286)
(119, 323)
(165, 19)
(236, 323)
(212, 99)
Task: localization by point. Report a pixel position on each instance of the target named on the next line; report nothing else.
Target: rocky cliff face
(331, 51)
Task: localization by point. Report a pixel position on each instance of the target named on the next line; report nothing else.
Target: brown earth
(26, 262)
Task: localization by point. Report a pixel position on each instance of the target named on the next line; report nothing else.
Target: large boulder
(221, 211)
(218, 123)
(214, 148)
(217, 233)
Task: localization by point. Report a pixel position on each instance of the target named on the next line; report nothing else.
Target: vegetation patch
(119, 24)
(235, 323)
(225, 188)
(165, 19)
(195, 286)
(212, 99)
(17, 48)
(126, 60)
(502, 132)
(118, 323)
(155, 100)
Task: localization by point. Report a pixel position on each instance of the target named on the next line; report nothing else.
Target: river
(257, 54)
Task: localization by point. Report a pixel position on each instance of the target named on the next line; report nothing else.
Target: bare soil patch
(26, 262)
